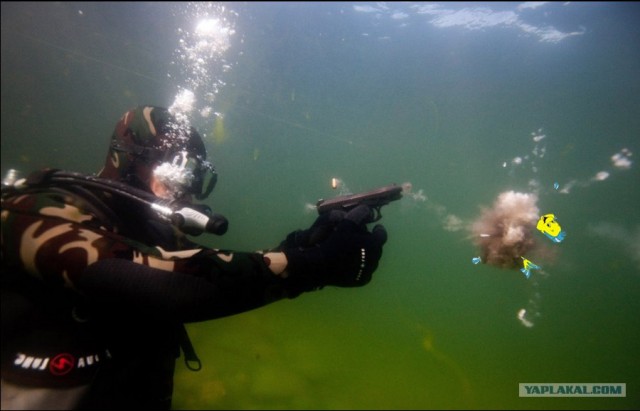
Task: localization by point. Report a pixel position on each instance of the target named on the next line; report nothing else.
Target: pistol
(375, 199)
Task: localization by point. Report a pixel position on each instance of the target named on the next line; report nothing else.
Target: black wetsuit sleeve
(141, 290)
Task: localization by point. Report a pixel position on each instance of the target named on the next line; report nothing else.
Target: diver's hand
(337, 250)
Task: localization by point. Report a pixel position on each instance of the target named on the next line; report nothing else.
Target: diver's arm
(151, 292)
(59, 245)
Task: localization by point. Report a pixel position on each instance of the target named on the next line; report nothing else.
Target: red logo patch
(62, 364)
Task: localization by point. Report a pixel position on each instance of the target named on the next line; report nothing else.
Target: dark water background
(374, 93)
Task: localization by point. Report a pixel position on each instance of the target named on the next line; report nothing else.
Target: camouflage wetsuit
(96, 289)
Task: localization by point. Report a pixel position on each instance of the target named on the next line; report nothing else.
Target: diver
(99, 275)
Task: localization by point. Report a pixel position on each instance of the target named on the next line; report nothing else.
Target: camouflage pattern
(144, 136)
(52, 237)
(49, 238)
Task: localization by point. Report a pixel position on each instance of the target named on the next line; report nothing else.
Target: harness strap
(190, 356)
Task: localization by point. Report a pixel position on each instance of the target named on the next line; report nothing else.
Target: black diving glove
(336, 250)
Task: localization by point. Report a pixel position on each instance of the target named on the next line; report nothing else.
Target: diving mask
(184, 174)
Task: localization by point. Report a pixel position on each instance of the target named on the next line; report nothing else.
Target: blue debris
(527, 267)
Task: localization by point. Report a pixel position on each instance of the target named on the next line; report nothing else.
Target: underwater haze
(495, 113)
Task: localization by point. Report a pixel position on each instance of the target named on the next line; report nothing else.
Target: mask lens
(187, 175)
(176, 174)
